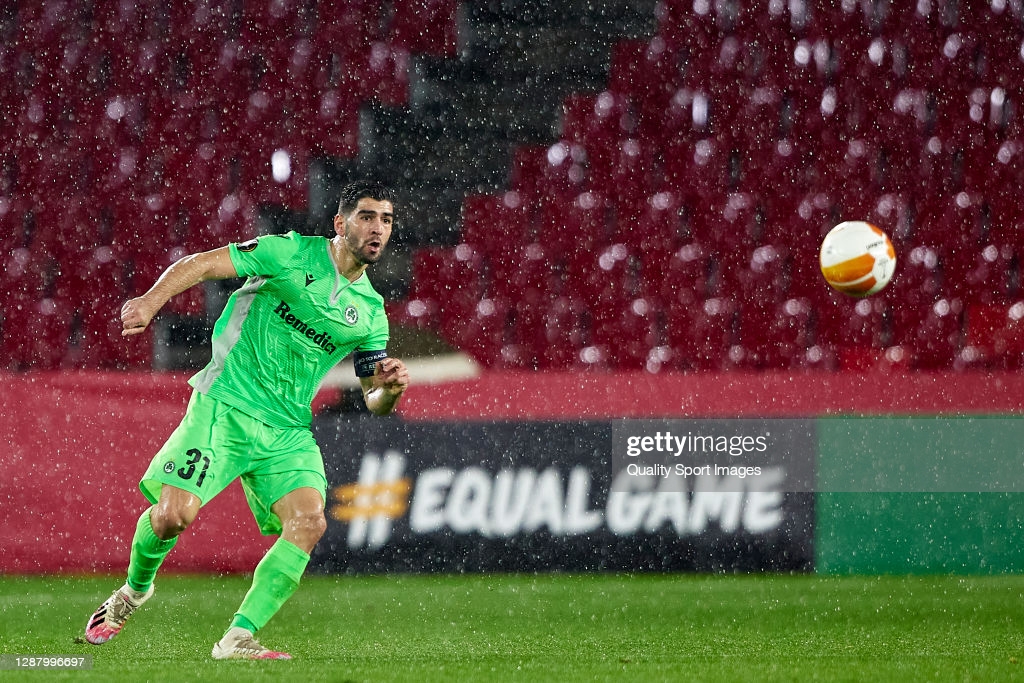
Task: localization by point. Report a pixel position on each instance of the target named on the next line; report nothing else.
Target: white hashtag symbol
(380, 495)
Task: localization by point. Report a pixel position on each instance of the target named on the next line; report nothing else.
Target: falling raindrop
(281, 166)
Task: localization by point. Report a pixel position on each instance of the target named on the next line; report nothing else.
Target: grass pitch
(543, 628)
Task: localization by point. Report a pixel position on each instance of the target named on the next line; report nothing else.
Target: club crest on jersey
(169, 466)
(351, 315)
(248, 246)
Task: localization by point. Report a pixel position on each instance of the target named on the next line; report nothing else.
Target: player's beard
(362, 251)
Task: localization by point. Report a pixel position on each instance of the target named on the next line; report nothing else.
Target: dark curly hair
(353, 192)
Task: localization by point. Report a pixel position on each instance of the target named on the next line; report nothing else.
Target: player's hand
(391, 375)
(135, 316)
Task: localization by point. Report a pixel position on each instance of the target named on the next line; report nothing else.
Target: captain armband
(365, 362)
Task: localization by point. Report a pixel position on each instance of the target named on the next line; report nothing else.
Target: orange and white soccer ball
(857, 258)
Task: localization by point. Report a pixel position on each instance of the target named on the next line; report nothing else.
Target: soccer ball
(857, 258)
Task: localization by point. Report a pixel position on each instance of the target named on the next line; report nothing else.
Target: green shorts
(217, 443)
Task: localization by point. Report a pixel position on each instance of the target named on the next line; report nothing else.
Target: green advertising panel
(920, 495)
(921, 454)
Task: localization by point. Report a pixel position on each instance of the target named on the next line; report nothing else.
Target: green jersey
(291, 321)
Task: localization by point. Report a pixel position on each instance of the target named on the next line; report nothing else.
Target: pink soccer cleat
(107, 621)
(238, 643)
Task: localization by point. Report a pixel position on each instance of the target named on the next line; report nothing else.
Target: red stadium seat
(730, 227)
(388, 70)
(652, 227)
(801, 231)
(282, 178)
(169, 238)
(953, 123)
(259, 18)
(601, 124)
(526, 273)
(700, 336)
(867, 325)
(995, 277)
(460, 284)
(756, 344)
(960, 230)
(581, 224)
(318, 98)
(686, 118)
(446, 284)
(767, 39)
(636, 335)
(629, 179)
(703, 169)
(232, 219)
(989, 164)
(117, 23)
(565, 173)
(777, 169)
(103, 291)
(687, 31)
(532, 280)
(627, 74)
(484, 333)
(605, 284)
(1000, 195)
(526, 175)
(602, 118)
(200, 174)
(427, 268)
(764, 277)
(564, 333)
(791, 343)
(425, 26)
(606, 281)
(757, 118)
(939, 337)
(1009, 342)
(494, 224)
(528, 342)
(65, 233)
(679, 278)
(833, 316)
(927, 172)
(985, 338)
(916, 286)
(852, 175)
(52, 326)
(351, 25)
(30, 277)
(649, 74)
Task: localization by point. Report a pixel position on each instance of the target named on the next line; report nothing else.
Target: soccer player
(306, 303)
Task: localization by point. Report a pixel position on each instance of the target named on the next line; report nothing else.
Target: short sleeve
(377, 340)
(264, 255)
(374, 348)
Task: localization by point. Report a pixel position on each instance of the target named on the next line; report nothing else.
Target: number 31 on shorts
(188, 470)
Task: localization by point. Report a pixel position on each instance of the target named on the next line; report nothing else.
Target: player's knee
(314, 526)
(169, 521)
(308, 528)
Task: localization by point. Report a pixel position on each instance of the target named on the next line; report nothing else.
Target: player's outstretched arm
(184, 273)
(382, 391)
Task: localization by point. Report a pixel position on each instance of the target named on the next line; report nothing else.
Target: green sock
(148, 553)
(240, 621)
(275, 579)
